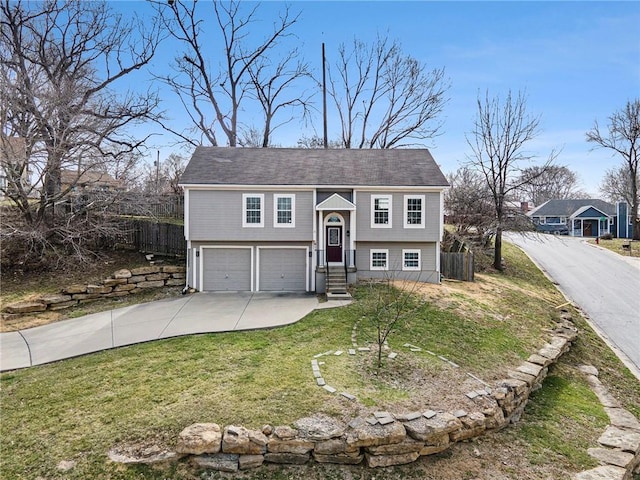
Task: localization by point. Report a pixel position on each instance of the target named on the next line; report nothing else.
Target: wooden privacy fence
(156, 238)
(457, 265)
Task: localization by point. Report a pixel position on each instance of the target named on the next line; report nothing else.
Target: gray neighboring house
(582, 218)
(310, 220)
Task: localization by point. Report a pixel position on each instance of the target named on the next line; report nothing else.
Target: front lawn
(76, 410)
(616, 245)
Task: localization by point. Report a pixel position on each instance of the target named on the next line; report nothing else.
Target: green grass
(79, 408)
(615, 245)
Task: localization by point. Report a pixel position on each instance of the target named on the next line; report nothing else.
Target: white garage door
(226, 269)
(283, 269)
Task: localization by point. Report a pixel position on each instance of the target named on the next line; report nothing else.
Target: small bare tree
(212, 95)
(623, 138)
(501, 131)
(384, 98)
(386, 307)
(468, 202)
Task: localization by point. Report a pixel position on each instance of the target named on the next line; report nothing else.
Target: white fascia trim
(186, 215)
(284, 188)
(281, 247)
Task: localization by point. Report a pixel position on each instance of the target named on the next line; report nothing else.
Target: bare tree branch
(501, 131)
(385, 99)
(213, 96)
(60, 65)
(623, 138)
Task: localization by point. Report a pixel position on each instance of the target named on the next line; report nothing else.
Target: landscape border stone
(619, 445)
(122, 283)
(386, 439)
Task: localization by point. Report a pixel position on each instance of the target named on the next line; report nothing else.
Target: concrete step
(338, 296)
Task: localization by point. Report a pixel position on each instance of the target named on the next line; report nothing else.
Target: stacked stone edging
(380, 440)
(121, 284)
(619, 450)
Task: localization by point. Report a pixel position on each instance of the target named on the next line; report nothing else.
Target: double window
(381, 212)
(253, 210)
(414, 211)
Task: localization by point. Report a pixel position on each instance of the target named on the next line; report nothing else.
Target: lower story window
(411, 259)
(379, 259)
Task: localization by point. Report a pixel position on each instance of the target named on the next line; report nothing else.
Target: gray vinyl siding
(282, 269)
(217, 216)
(398, 232)
(428, 252)
(226, 269)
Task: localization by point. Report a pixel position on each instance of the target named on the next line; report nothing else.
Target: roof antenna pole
(324, 98)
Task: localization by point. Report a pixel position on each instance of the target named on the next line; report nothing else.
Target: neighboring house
(582, 218)
(14, 168)
(267, 219)
(88, 181)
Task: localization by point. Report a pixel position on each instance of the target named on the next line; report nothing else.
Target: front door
(334, 244)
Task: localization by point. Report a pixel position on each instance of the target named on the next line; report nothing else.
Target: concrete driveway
(605, 285)
(196, 313)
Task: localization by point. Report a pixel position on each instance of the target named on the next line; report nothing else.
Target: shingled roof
(298, 166)
(565, 208)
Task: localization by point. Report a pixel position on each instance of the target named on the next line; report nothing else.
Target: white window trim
(406, 211)
(293, 211)
(245, 196)
(378, 250)
(373, 212)
(414, 269)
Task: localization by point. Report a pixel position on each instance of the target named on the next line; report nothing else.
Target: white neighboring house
(273, 219)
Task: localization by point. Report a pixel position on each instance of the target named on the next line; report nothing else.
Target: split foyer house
(583, 218)
(270, 219)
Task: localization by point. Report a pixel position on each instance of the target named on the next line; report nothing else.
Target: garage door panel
(227, 269)
(283, 269)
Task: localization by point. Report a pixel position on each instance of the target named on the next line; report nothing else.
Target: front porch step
(336, 284)
(339, 296)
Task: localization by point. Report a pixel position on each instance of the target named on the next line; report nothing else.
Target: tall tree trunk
(497, 251)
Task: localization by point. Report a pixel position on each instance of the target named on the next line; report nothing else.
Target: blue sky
(577, 61)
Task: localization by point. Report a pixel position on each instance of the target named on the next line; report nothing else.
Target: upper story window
(414, 211)
(381, 211)
(284, 207)
(253, 210)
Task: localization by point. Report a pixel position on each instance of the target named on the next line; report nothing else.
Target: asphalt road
(606, 286)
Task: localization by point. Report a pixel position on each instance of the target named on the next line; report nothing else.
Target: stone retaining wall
(381, 439)
(618, 450)
(120, 284)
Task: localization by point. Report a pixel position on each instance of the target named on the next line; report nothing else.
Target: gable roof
(566, 208)
(308, 166)
(87, 178)
(336, 202)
